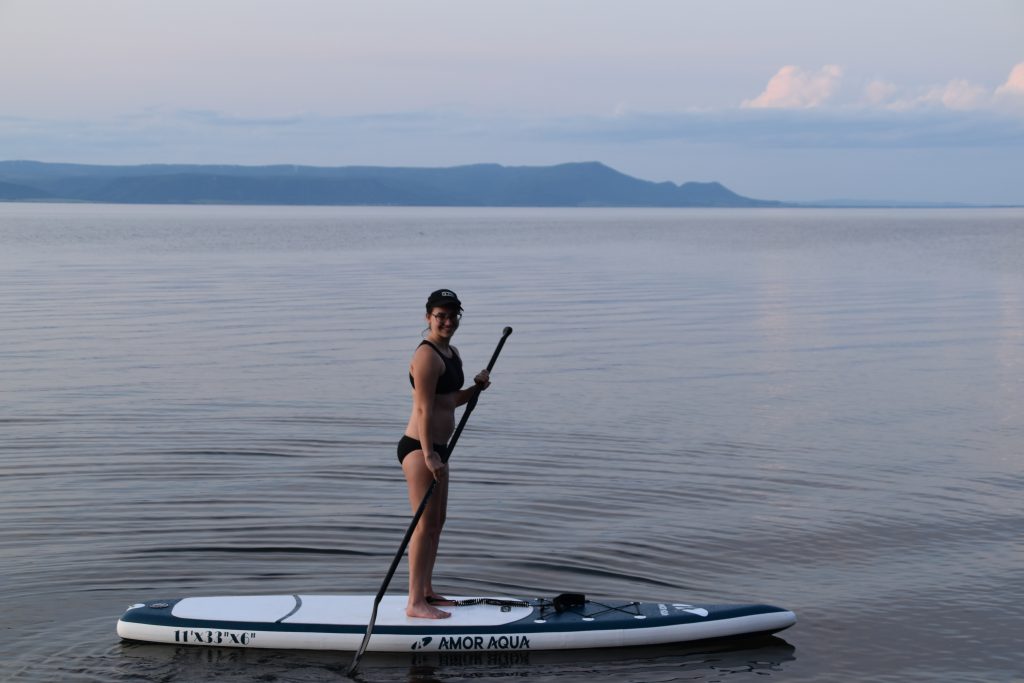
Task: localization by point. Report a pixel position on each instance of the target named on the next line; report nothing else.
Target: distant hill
(10, 191)
(576, 184)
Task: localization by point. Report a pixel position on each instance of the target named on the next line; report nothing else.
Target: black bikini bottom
(407, 445)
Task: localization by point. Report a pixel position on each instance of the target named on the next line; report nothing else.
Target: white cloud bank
(956, 95)
(794, 88)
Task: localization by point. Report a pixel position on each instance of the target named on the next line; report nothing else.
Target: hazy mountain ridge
(17, 191)
(574, 184)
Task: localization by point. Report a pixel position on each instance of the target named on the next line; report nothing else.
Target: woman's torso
(442, 421)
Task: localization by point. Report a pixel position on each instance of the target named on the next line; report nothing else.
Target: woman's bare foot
(425, 611)
(440, 600)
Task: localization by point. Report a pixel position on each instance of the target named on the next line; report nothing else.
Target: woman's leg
(426, 536)
(440, 498)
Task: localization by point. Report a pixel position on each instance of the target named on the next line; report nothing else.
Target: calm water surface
(816, 409)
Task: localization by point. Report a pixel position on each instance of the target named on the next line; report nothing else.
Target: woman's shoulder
(426, 352)
(428, 347)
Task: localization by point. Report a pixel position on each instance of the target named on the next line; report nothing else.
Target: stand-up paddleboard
(338, 622)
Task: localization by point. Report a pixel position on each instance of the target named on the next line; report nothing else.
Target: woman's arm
(480, 382)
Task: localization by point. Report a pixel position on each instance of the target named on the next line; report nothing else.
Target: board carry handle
(419, 513)
(566, 601)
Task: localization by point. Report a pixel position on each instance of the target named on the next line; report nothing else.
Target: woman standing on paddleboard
(436, 376)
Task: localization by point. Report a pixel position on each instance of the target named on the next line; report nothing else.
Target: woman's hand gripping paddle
(419, 513)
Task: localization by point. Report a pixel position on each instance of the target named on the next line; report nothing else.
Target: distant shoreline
(780, 205)
(579, 185)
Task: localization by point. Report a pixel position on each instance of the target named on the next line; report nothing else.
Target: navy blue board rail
(338, 622)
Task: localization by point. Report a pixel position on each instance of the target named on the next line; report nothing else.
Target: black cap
(444, 298)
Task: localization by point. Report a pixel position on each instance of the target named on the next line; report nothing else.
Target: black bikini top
(452, 378)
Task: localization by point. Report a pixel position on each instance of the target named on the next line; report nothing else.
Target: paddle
(419, 513)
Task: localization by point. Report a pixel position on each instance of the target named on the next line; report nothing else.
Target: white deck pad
(336, 610)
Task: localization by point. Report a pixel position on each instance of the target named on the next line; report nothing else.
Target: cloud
(215, 118)
(159, 135)
(1014, 85)
(879, 92)
(793, 88)
(958, 95)
(846, 128)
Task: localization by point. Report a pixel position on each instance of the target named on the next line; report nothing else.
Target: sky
(909, 100)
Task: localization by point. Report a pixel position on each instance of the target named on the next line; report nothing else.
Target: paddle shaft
(419, 512)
